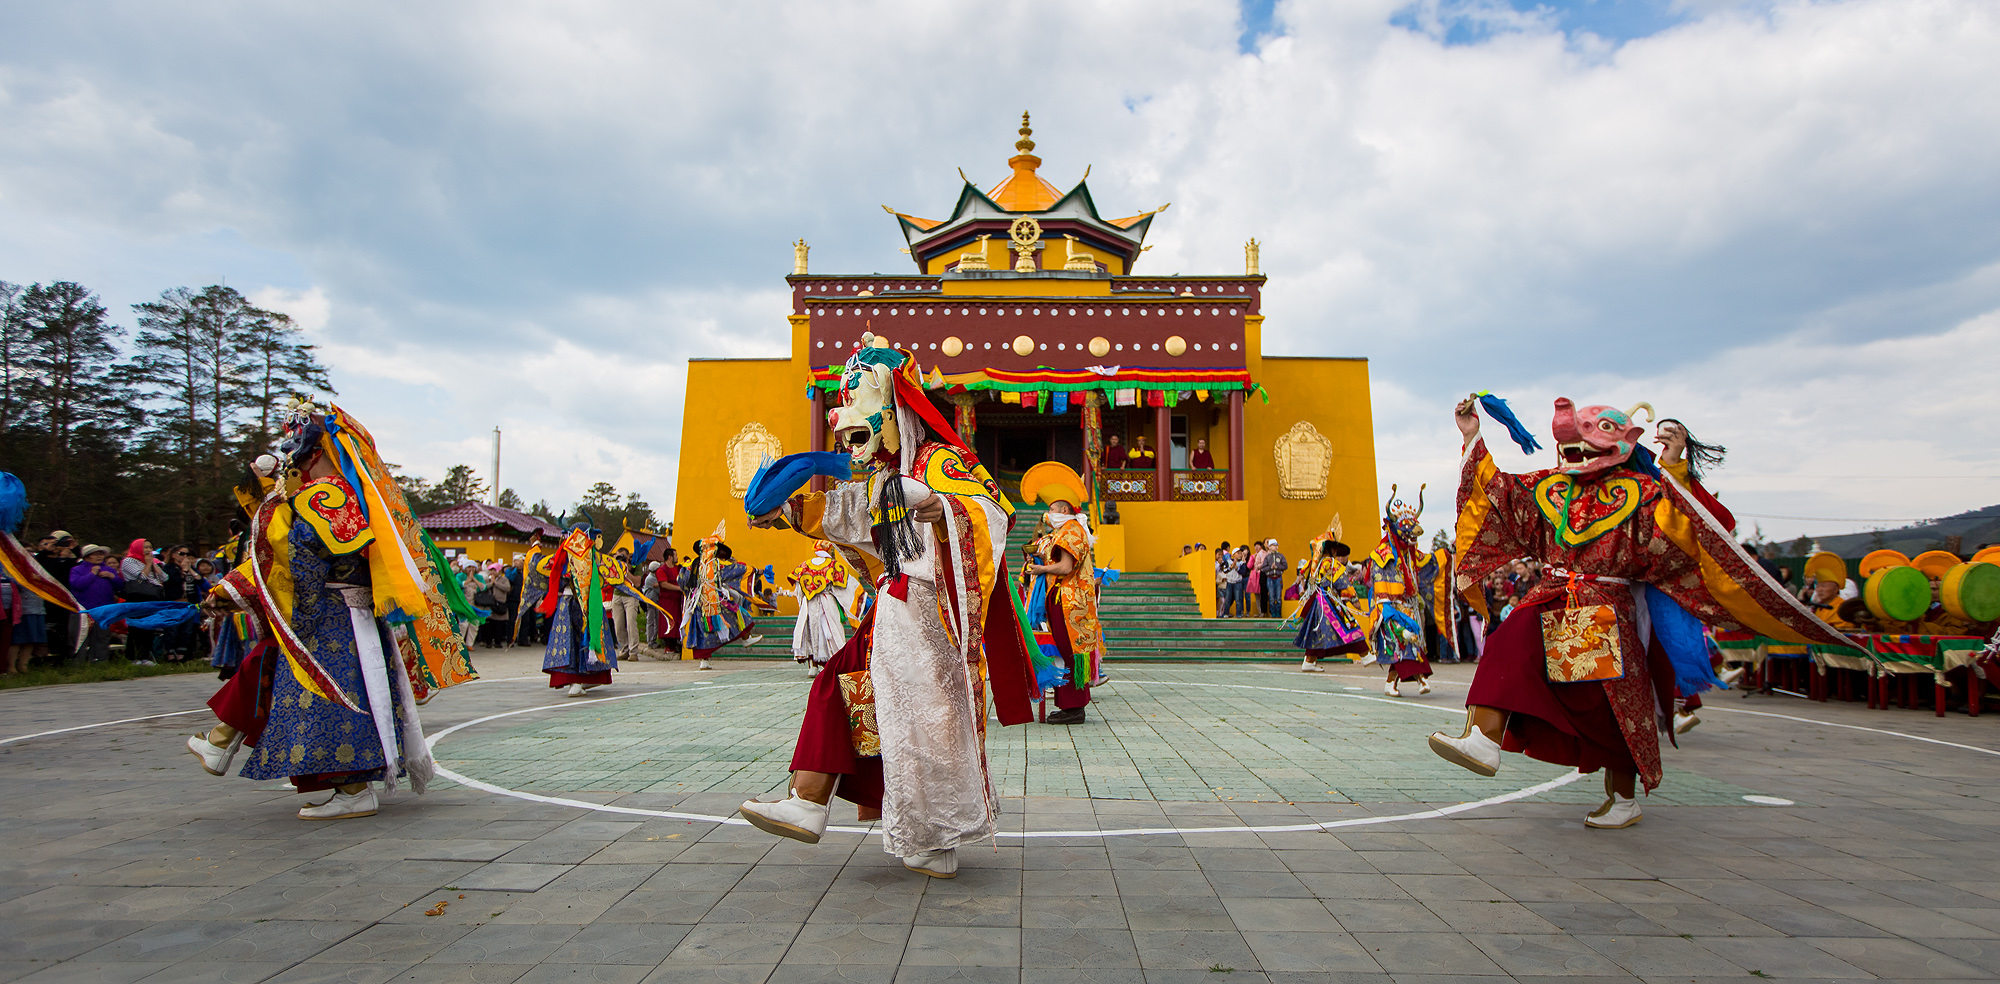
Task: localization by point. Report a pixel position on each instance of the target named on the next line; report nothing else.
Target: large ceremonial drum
(1973, 591)
(1899, 594)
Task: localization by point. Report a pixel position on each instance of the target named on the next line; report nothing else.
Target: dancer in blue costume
(1327, 626)
(715, 608)
(329, 703)
(581, 653)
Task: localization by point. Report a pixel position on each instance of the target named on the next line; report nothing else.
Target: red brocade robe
(1626, 525)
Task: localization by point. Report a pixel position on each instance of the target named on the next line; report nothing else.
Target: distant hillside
(1973, 528)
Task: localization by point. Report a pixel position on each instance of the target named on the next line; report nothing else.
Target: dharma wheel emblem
(1027, 236)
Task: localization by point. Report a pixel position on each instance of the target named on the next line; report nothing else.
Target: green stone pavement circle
(1226, 734)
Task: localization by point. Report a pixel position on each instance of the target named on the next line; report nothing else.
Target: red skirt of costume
(1570, 724)
(1415, 669)
(824, 744)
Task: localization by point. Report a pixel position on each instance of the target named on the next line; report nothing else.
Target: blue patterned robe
(307, 735)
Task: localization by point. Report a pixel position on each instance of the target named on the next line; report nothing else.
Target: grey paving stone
(341, 973)
(676, 908)
(1662, 956)
(1277, 916)
(604, 877)
(1489, 917)
(1384, 916)
(549, 973)
(963, 910)
(678, 877)
(1899, 959)
(1316, 952)
(507, 944)
(963, 946)
(50, 941)
(681, 973)
(620, 943)
(392, 943)
(1452, 887)
(792, 908)
(1349, 885)
(833, 944)
(455, 973)
(93, 972)
(1163, 912)
(754, 944)
(1077, 948)
(172, 941)
(846, 973)
(1595, 918)
(1162, 882)
(1257, 884)
(1076, 912)
(230, 972)
(1426, 953)
(501, 876)
(561, 908)
(1780, 957)
(1910, 920)
(1193, 949)
(1535, 889)
(1068, 883)
(1544, 955)
(913, 974)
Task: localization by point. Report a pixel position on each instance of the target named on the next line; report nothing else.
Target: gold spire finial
(1025, 145)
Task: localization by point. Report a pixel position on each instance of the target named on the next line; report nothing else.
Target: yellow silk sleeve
(1678, 527)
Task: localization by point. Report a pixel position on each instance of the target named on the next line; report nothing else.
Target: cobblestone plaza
(1208, 823)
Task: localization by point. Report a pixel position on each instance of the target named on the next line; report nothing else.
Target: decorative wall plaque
(1305, 460)
(744, 452)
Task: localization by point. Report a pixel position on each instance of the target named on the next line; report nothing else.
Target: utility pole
(496, 466)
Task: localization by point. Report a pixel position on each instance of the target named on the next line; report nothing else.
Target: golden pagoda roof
(1132, 220)
(922, 224)
(1024, 190)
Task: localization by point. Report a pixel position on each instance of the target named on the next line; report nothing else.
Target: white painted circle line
(1430, 814)
(100, 724)
(1768, 800)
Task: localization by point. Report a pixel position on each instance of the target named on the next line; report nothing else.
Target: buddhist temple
(1041, 338)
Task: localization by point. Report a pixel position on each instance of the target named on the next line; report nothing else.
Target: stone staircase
(1148, 616)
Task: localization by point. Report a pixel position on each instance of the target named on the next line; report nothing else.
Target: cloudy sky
(1778, 221)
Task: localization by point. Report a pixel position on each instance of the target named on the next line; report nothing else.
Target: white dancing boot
(1308, 666)
(1473, 750)
(796, 817)
(1389, 689)
(1684, 722)
(937, 864)
(214, 758)
(1733, 675)
(344, 806)
(1423, 686)
(1617, 811)
(703, 666)
(573, 690)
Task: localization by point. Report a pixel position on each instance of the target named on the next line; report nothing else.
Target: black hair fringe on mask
(1701, 455)
(897, 536)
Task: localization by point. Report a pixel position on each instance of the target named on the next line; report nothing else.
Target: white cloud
(530, 215)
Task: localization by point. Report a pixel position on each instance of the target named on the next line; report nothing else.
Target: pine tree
(510, 499)
(279, 366)
(460, 485)
(189, 351)
(68, 393)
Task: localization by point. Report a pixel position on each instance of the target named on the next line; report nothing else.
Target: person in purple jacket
(95, 581)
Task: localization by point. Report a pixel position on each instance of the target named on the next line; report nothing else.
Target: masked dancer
(1581, 670)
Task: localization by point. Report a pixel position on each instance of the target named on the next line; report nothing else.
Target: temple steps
(1148, 616)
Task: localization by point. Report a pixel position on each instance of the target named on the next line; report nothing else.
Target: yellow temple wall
(1333, 396)
(1156, 531)
(483, 550)
(723, 396)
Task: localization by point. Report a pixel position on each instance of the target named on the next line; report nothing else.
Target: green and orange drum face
(1898, 594)
(1972, 591)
